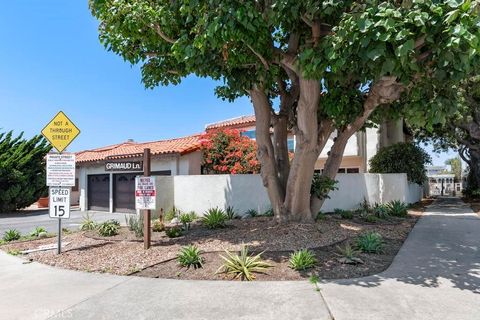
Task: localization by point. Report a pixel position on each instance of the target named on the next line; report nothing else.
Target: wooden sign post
(147, 213)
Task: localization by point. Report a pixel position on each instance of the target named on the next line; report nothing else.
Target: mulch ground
(124, 254)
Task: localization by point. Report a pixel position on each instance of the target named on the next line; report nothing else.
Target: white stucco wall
(373, 144)
(202, 192)
(243, 192)
(375, 188)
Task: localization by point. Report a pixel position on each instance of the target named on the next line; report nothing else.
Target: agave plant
(348, 255)
(302, 260)
(243, 266)
(397, 208)
(190, 256)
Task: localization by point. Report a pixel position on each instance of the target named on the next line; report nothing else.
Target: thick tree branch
(159, 31)
(259, 56)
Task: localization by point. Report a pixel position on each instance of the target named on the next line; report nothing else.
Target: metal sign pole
(59, 241)
(147, 213)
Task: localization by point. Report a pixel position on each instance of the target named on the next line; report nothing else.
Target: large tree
(308, 66)
(460, 130)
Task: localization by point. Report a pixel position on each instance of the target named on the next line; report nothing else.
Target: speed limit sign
(59, 202)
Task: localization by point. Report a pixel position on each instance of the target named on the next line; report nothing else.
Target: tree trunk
(280, 147)
(297, 196)
(473, 180)
(385, 91)
(265, 152)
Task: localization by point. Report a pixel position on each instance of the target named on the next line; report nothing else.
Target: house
(106, 175)
(361, 147)
(441, 183)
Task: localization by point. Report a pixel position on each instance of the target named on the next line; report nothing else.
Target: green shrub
(230, 212)
(36, 232)
(88, 223)
(157, 225)
(243, 266)
(170, 214)
(186, 219)
(190, 256)
(348, 255)
(302, 260)
(321, 186)
(11, 235)
(22, 170)
(114, 221)
(320, 216)
(370, 242)
(108, 228)
(345, 214)
(370, 218)
(135, 224)
(402, 158)
(173, 232)
(397, 208)
(14, 252)
(381, 211)
(252, 213)
(214, 218)
(268, 213)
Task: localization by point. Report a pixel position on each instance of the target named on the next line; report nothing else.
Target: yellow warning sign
(60, 131)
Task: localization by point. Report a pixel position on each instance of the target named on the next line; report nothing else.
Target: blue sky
(51, 60)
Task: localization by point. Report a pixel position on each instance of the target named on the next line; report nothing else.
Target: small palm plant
(243, 266)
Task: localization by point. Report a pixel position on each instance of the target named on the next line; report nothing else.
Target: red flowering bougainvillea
(226, 151)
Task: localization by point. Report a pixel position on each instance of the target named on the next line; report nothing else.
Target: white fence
(243, 192)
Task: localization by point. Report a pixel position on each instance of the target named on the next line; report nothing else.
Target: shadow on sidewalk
(443, 246)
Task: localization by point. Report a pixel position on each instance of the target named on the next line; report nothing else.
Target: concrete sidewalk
(436, 274)
(34, 291)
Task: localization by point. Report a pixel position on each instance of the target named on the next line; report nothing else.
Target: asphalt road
(26, 221)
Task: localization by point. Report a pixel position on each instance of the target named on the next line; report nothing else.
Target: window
(349, 170)
(250, 133)
(291, 145)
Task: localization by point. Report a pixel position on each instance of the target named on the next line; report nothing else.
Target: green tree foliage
(455, 167)
(462, 130)
(308, 66)
(22, 170)
(402, 158)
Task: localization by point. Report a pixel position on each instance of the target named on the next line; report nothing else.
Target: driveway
(26, 221)
(436, 275)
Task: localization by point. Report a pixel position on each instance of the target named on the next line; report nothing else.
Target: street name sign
(60, 169)
(124, 166)
(59, 202)
(145, 193)
(60, 131)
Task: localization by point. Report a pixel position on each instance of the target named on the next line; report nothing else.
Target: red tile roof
(134, 149)
(242, 121)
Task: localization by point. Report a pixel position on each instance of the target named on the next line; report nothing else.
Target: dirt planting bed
(123, 254)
